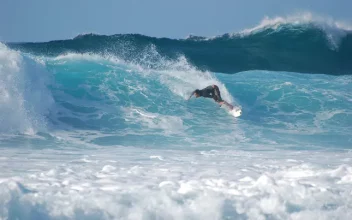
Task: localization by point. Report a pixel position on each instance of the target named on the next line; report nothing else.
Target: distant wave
(296, 44)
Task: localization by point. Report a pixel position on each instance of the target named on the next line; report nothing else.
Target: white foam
(322, 117)
(236, 112)
(305, 17)
(156, 157)
(87, 56)
(125, 184)
(333, 29)
(24, 99)
(169, 124)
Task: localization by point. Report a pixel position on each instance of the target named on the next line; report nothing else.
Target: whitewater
(99, 127)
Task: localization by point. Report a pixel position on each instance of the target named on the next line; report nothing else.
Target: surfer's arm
(191, 94)
(226, 103)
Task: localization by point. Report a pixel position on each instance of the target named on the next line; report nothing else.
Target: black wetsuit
(210, 92)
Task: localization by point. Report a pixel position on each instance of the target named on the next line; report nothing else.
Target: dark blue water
(302, 47)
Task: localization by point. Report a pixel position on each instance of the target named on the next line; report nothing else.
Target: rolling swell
(304, 48)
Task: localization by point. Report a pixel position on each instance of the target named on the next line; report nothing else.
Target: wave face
(118, 99)
(90, 131)
(276, 45)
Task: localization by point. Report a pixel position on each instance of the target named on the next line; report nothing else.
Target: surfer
(213, 92)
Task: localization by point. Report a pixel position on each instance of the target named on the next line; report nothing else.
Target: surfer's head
(197, 93)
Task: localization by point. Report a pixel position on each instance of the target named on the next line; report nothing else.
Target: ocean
(99, 127)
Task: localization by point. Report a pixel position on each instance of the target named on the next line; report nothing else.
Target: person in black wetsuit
(213, 92)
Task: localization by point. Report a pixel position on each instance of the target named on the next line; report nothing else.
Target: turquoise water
(125, 102)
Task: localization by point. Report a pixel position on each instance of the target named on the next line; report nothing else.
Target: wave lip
(300, 19)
